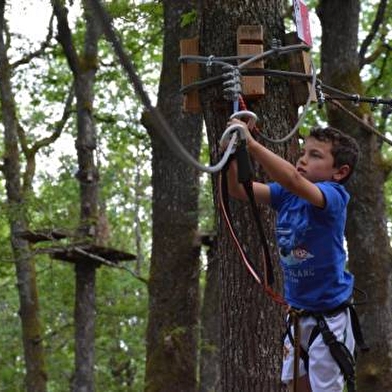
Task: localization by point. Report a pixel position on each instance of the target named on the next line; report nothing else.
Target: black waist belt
(357, 331)
(326, 313)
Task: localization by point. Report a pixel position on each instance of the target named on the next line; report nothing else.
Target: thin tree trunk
(88, 178)
(252, 324)
(369, 248)
(174, 273)
(210, 326)
(84, 315)
(36, 376)
(84, 70)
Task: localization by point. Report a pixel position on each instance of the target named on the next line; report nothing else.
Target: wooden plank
(300, 62)
(248, 34)
(250, 42)
(190, 73)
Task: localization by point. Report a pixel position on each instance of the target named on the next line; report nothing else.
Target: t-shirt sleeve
(336, 197)
(277, 193)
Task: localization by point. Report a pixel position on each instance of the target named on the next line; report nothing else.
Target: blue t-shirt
(310, 242)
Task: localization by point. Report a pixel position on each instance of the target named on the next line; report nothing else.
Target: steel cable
(160, 123)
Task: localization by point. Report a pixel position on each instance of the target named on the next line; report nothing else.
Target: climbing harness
(338, 350)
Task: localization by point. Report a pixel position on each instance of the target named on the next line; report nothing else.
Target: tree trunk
(89, 178)
(16, 199)
(174, 273)
(210, 326)
(252, 324)
(84, 316)
(84, 70)
(368, 243)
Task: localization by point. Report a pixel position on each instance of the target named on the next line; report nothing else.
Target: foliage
(206, 210)
(378, 73)
(123, 155)
(120, 344)
(188, 18)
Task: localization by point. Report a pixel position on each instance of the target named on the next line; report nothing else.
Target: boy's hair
(345, 149)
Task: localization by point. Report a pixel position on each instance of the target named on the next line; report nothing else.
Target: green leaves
(123, 154)
(188, 18)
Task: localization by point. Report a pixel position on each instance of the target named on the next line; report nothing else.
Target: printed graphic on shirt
(294, 275)
(291, 230)
(296, 256)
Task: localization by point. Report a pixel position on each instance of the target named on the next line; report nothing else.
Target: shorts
(324, 372)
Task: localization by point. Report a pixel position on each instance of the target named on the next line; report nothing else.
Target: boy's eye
(315, 154)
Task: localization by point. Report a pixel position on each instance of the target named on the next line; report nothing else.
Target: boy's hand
(234, 125)
(244, 131)
(247, 116)
(232, 131)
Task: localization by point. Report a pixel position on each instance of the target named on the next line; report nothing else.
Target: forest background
(80, 168)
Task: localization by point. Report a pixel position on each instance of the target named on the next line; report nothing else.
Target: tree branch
(378, 20)
(4, 27)
(58, 126)
(64, 36)
(110, 263)
(30, 153)
(383, 68)
(40, 51)
(375, 55)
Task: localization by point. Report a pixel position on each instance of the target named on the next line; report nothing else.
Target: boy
(311, 202)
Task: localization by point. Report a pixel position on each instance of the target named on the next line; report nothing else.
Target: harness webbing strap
(263, 276)
(294, 316)
(245, 178)
(269, 275)
(339, 352)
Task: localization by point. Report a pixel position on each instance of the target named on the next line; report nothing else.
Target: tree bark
(36, 376)
(174, 273)
(251, 324)
(84, 68)
(368, 243)
(210, 326)
(84, 315)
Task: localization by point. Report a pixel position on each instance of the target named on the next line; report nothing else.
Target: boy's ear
(341, 173)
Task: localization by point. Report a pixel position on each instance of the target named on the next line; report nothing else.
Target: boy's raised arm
(283, 172)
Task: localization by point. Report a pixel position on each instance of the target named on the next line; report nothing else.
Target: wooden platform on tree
(75, 252)
(91, 252)
(43, 235)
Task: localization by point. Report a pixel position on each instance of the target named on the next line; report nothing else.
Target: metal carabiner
(229, 133)
(250, 116)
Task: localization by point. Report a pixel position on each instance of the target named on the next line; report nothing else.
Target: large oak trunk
(251, 323)
(368, 243)
(174, 273)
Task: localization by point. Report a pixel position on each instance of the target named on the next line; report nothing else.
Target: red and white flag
(302, 21)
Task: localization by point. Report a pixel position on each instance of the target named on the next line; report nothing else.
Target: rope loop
(251, 117)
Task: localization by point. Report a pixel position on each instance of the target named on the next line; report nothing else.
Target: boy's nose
(302, 159)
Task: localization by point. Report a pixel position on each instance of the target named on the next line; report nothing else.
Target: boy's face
(316, 162)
